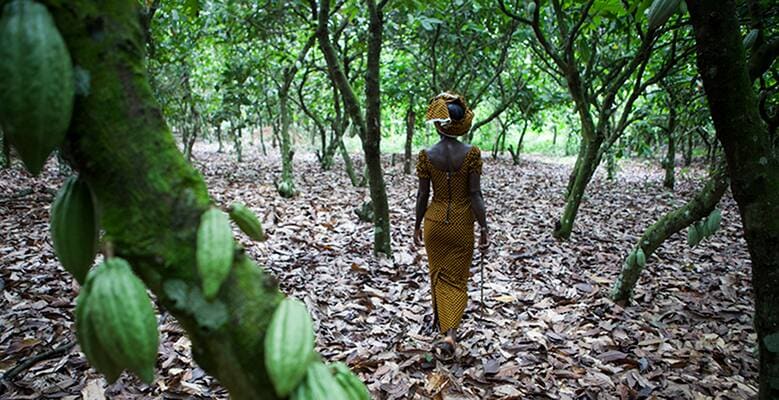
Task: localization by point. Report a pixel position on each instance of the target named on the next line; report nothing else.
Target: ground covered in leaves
(547, 328)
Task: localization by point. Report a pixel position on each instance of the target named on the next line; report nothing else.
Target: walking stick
(481, 284)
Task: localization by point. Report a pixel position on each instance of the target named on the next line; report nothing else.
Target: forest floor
(548, 329)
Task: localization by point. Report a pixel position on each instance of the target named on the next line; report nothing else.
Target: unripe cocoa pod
(74, 228)
(660, 11)
(751, 38)
(694, 235)
(713, 221)
(289, 345)
(123, 317)
(87, 339)
(350, 383)
(640, 257)
(214, 253)
(247, 221)
(631, 258)
(319, 384)
(36, 82)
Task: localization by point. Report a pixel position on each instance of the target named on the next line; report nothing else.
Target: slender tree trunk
(411, 118)
(515, 155)
(349, 166)
(285, 187)
(219, 137)
(669, 164)
(585, 169)
(753, 165)
(699, 206)
(688, 150)
(369, 128)
(151, 199)
(262, 137)
(554, 136)
(5, 152)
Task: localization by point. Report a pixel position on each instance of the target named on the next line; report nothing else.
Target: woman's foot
(445, 348)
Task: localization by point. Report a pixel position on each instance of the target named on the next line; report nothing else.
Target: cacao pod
(751, 38)
(247, 221)
(694, 236)
(632, 258)
(319, 384)
(90, 344)
(289, 345)
(350, 383)
(713, 221)
(660, 11)
(531, 7)
(123, 317)
(74, 228)
(215, 249)
(640, 258)
(36, 82)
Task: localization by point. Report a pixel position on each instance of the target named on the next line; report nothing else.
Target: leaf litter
(547, 330)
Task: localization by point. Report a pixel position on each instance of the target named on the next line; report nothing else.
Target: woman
(454, 168)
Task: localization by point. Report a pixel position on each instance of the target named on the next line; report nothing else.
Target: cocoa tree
(750, 150)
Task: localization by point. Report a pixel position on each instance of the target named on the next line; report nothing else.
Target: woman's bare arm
(423, 194)
(477, 200)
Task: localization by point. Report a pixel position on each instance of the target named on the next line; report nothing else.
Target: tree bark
(411, 118)
(368, 128)
(699, 206)
(349, 166)
(669, 163)
(586, 164)
(151, 199)
(752, 163)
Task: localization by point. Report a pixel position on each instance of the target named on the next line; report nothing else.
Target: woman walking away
(454, 168)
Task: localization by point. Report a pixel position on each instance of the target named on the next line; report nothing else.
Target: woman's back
(449, 169)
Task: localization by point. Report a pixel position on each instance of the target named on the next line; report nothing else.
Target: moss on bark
(150, 199)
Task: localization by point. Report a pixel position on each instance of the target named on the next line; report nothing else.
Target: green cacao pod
(289, 345)
(640, 257)
(319, 384)
(74, 228)
(247, 221)
(123, 318)
(660, 11)
(713, 221)
(36, 82)
(350, 383)
(751, 38)
(631, 258)
(87, 339)
(215, 247)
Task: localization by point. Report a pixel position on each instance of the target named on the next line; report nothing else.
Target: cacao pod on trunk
(85, 333)
(350, 383)
(319, 384)
(74, 227)
(247, 221)
(36, 82)
(214, 253)
(289, 345)
(123, 317)
(640, 257)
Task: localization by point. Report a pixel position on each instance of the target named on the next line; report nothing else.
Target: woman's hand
(484, 240)
(418, 239)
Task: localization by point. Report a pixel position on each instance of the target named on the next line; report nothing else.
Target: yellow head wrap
(438, 113)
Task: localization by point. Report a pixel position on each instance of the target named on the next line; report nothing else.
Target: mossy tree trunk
(753, 162)
(150, 197)
(699, 206)
(669, 163)
(368, 126)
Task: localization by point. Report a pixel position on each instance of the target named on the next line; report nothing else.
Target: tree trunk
(699, 206)
(356, 180)
(219, 137)
(515, 155)
(669, 163)
(411, 118)
(688, 150)
(369, 128)
(587, 163)
(5, 152)
(752, 163)
(371, 142)
(150, 197)
(285, 187)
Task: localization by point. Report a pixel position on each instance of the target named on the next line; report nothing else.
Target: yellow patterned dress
(448, 235)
